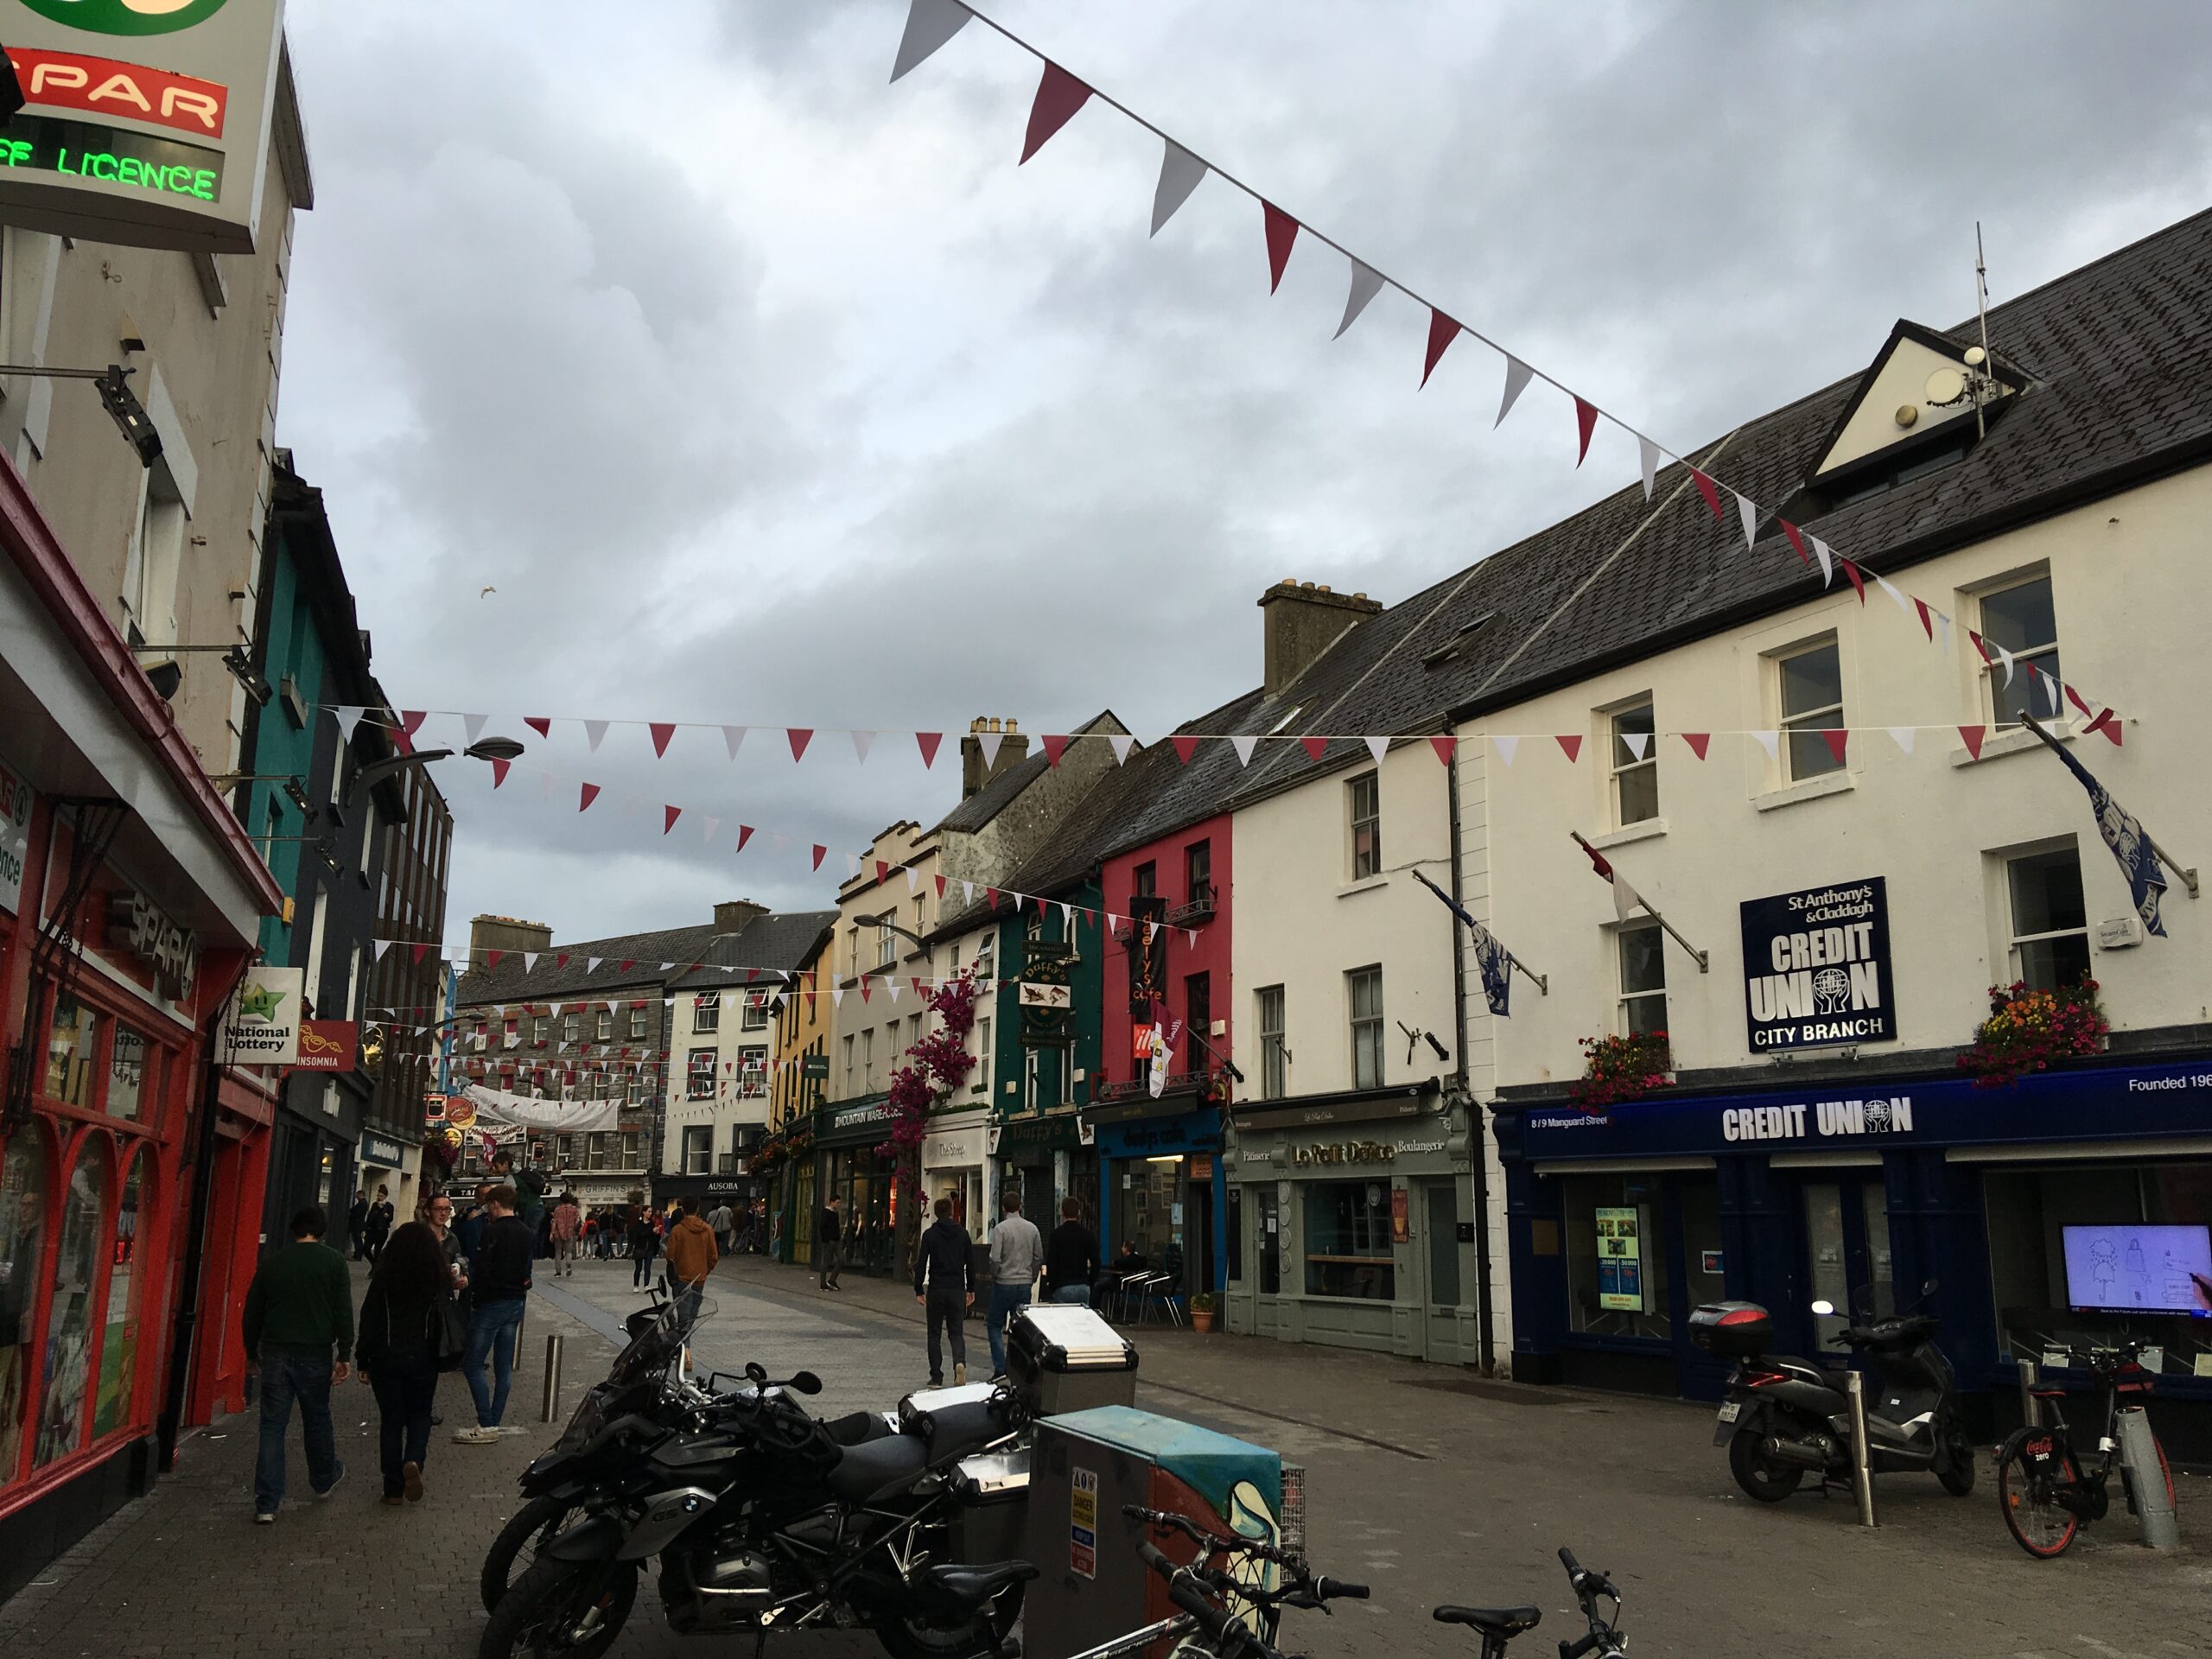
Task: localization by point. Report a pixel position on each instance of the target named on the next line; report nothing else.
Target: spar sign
(1816, 968)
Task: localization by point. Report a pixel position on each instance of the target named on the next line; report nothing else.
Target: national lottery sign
(1816, 968)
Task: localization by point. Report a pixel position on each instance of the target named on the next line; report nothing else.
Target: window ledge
(1365, 884)
(2016, 742)
(1832, 783)
(1634, 832)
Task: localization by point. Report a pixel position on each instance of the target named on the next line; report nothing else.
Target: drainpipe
(1479, 1158)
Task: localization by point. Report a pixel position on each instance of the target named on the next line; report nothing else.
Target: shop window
(65, 1375)
(1617, 1280)
(699, 1150)
(1364, 989)
(125, 1290)
(699, 1074)
(1348, 1241)
(1365, 792)
(1274, 1057)
(2021, 618)
(1270, 1241)
(1643, 980)
(69, 1053)
(1702, 1265)
(23, 1237)
(2085, 1253)
(126, 1073)
(707, 1011)
(1443, 1220)
(1635, 757)
(2050, 920)
(1811, 688)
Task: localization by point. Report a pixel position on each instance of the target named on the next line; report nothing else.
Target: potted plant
(1620, 1069)
(2027, 1030)
(1203, 1306)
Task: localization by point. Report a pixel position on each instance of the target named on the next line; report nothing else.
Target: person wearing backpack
(401, 1329)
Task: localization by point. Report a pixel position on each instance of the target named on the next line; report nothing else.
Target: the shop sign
(329, 1046)
(1816, 968)
(381, 1149)
(15, 837)
(1345, 1151)
(143, 929)
(264, 1019)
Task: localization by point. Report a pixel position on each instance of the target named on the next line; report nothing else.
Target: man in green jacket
(299, 1332)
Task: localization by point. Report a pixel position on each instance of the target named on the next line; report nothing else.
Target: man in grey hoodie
(1017, 1254)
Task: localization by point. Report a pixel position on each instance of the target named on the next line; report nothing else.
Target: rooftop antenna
(1977, 382)
(1981, 307)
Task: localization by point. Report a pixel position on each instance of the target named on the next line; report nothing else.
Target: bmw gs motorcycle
(763, 1521)
(1786, 1417)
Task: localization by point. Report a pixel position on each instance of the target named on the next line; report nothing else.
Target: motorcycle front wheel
(573, 1610)
(1767, 1482)
(515, 1550)
(914, 1637)
(1955, 1467)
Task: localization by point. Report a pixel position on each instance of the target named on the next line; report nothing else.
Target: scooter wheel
(1767, 1482)
(1955, 1469)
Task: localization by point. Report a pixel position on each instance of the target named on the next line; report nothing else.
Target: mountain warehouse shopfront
(2069, 1209)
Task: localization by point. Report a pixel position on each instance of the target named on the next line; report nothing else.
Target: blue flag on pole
(2131, 848)
(1493, 960)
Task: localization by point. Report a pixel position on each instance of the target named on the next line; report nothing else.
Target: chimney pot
(1300, 621)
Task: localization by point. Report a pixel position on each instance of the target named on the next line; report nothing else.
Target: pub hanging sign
(1816, 968)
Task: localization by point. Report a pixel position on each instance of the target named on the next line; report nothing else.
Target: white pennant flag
(382, 945)
(929, 24)
(852, 864)
(1121, 744)
(914, 880)
(1904, 735)
(707, 829)
(1943, 628)
(2050, 684)
(591, 964)
(2004, 653)
(1244, 745)
(732, 736)
(836, 996)
(473, 725)
(1903, 604)
(594, 731)
(1636, 742)
(1365, 285)
(1748, 510)
(967, 893)
(1626, 898)
(1191, 938)
(1518, 376)
(349, 715)
(529, 962)
(862, 741)
(1506, 745)
(988, 743)
(1378, 746)
(1647, 455)
(891, 984)
(1180, 173)
(1771, 742)
(1827, 561)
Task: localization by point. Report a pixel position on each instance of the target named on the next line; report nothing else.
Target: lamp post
(488, 748)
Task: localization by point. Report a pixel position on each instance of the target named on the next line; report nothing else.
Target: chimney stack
(1013, 749)
(733, 915)
(1300, 621)
(507, 933)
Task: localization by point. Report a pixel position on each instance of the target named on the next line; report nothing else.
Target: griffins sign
(1816, 968)
(144, 122)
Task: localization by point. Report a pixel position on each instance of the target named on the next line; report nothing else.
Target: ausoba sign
(145, 122)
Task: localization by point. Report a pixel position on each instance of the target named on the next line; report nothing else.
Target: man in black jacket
(1070, 1257)
(499, 1282)
(829, 1244)
(945, 1284)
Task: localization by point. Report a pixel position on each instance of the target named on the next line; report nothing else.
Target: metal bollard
(2030, 1407)
(1862, 1468)
(552, 1405)
(2138, 1454)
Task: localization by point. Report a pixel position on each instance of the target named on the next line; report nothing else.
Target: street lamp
(885, 922)
(487, 748)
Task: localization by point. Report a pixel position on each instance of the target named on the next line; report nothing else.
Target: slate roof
(767, 941)
(777, 940)
(987, 803)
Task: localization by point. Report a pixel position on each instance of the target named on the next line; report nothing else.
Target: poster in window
(1816, 968)
(1620, 1260)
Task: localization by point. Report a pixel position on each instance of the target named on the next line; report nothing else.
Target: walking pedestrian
(299, 1334)
(829, 1243)
(357, 1223)
(401, 1319)
(500, 1283)
(691, 1256)
(437, 1216)
(378, 1227)
(1017, 1252)
(724, 1224)
(568, 1225)
(945, 1284)
(645, 1244)
(529, 1184)
(1070, 1257)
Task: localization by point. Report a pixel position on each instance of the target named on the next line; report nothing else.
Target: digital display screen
(2139, 1269)
(160, 167)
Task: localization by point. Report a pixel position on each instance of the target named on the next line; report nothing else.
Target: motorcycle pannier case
(1731, 1330)
(1064, 1359)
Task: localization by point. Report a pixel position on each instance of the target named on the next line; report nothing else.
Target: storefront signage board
(1401, 1218)
(137, 925)
(380, 1149)
(1620, 1259)
(1411, 1102)
(1816, 968)
(265, 1018)
(329, 1046)
(15, 837)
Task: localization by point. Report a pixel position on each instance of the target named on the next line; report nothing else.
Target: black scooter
(1785, 1417)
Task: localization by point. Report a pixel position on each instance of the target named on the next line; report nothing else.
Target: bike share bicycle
(2045, 1493)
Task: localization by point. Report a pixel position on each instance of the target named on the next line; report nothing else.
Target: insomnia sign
(1816, 968)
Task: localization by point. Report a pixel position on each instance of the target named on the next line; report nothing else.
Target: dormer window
(1913, 413)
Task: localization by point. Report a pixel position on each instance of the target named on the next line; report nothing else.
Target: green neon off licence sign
(160, 167)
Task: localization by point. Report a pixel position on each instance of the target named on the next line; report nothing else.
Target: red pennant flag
(627, 964)
(1705, 488)
(1698, 741)
(2074, 697)
(1315, 746)
(1040, 909)
(752, 974)
(882, 871)
(662, 730)
(410, 720)
(1442, 331)
(1796, 538)
(929, 740)
(1054, 748)
(2108, 723)
(915, 979)
(1185, 748)
(420, 951)
(561, 961)
(744, 835)
(800, 736)
(1060, 95)
(1573, 745)
(991, 897)
(1836, 737)
(863, 988)
(499, 772)
(1927, 622)
(539, 723)
(1857, 580)
(1585, 422)
(668, 815)
(1282, 231)
(590, 794)
(1971, 736)
(820, 853)
(940, 886)
(492, 958)
(1446, 747)
(1979, 645)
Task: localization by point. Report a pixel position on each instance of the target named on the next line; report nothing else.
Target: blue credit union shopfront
(1621, 1220)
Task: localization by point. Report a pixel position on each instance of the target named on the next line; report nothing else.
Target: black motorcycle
(1785, 1418)
(763, 1522)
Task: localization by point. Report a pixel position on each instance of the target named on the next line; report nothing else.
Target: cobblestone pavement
(1433, 1484)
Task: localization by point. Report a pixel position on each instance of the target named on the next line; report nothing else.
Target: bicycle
(2046, 1497)
(1499, 1625)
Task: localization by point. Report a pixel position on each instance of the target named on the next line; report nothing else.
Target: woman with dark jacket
(397, 1348)
(645, 1244)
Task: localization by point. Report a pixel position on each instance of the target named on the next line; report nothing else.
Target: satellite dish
(1976, 357)
(1945, 387)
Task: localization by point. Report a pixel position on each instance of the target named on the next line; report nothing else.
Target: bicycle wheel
(2036, 1468)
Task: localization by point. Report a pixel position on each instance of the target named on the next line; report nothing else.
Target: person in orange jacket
(691, 1256)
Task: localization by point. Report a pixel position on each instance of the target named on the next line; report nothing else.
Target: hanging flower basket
(2027, 1030)
(1616, 1069)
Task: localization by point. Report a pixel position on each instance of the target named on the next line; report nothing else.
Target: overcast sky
(765, 393)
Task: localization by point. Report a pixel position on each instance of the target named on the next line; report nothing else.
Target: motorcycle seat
(1828, 1374)
(971, 1587)
(877, 1466)
(856, 1428)
(1499, 1622)
(955, 1431)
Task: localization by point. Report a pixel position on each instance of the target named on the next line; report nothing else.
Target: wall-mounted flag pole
(1494, 962)
(1626, 898)
(2138, 855)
